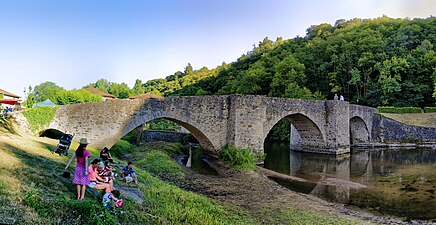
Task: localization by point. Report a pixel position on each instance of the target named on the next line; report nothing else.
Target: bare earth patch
(266, 199)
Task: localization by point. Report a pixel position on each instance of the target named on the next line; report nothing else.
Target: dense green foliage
(281, 131)
(374, 62)
(237, 158)
(387, 109)
(58, 95)
(39, 117)
(122, 90)
(163, 124)
(76, 96)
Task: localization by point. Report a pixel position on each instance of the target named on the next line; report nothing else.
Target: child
(128, 173)
(111, 198)
(108, 170)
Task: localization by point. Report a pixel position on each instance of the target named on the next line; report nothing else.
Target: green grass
(39, 117)
(241, 159)
(121, 147)
(38, 194)
(160, 164)
(295, 216)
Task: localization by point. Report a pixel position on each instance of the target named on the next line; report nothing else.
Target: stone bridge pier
(243, 121)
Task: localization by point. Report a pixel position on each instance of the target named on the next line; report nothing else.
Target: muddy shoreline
(254, 191)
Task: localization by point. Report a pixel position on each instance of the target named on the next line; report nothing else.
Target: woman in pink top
(97, 182)
(81, 175)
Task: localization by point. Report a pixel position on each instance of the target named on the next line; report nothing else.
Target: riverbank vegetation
(237, 158)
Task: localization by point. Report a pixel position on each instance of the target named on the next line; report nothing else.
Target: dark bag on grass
(66, 174)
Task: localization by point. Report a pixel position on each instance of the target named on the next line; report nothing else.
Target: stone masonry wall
(243, 121)
(168, 136)
(394, 132)
(338, 126)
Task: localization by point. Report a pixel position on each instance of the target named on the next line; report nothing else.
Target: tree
(391, 73)
(46, 90)
(102, 85)
(138, 88)
(288, 71)
(76, 96)
(30, 100)
(121, 91)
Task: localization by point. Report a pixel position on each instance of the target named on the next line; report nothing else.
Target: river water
(399, 183)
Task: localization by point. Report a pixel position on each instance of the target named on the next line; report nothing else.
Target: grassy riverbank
(32, 191)
(416, 119)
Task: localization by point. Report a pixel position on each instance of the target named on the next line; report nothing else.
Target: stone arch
(204, 141)
(309, 134)
(359, 132)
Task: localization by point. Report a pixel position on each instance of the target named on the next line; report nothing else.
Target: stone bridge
(244, 121)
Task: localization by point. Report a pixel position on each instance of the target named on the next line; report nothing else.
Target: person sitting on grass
(128, 173)
(106, 155)
(111, 199)
(81, 177)
(96, 181)
(109, 170)
(103, 175)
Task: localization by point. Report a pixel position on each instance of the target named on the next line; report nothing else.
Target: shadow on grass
(46, 194)
(41, 172)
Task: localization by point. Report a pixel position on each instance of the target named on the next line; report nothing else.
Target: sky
(76, 42)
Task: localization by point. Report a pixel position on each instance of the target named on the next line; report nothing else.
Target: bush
(76, 96)
(391, 109)
(237, 158)
(39, 117)
(429, 109)
(121, 147)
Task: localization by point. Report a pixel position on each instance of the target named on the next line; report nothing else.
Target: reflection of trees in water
(365, 167)
(405, 157)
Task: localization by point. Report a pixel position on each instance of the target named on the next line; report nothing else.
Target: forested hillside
(374, 62)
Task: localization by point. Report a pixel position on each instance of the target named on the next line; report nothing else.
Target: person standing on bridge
(81, 175)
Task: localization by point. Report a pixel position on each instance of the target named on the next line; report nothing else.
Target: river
(399, 183)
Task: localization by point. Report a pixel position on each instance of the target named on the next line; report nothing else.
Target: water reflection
(393, 182)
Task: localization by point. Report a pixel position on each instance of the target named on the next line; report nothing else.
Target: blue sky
(75, 42)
